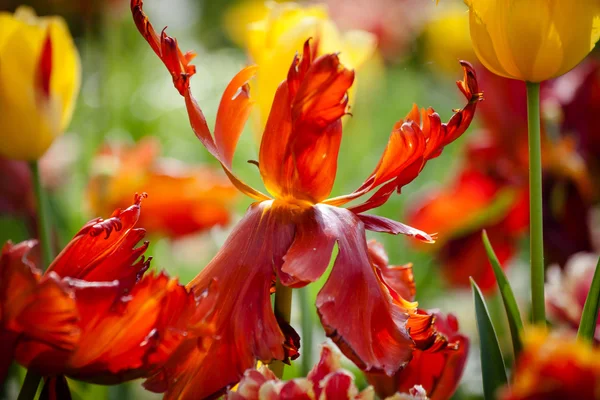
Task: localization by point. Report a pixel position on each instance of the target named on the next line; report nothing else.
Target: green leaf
(508, 298)
(589, 316)
(492, 363)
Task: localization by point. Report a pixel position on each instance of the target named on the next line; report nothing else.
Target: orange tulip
(182, 199)
(290, 235)
(94, 315)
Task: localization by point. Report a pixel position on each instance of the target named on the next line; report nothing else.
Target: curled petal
(103, 250)
(356, 307)
(40, 308)
(245, 327)
(123, 337)
(414, 141)
(437, 372)
(398, 277)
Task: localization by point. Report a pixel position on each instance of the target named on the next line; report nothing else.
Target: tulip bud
(39, 81)
(533, 40)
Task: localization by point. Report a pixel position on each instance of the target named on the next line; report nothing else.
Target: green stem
(32, 379)
(283, 310)
(535, 204)
(42, 216)
(307, 329)
(30, 386)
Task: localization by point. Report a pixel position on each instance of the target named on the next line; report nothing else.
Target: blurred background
(130, 132)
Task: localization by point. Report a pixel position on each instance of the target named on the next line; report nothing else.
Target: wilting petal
(413, 142)
(123, 337)
(235, 108)
(103, 250)
(245, 327)
(40, 308)
(355, 306)
(438, 371)
(299, 149)
(398, 277)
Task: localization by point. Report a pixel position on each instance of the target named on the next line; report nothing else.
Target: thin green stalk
(307, 329)
(535, 204)
(32, 379)
(283, 310)
(30, 386)
(42, 216)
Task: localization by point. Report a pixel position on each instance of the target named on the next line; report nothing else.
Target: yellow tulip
(39, 82)
(273, 41)
(533, 40)
(446, 39)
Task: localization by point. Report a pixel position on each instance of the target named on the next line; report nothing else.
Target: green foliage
(492, 363)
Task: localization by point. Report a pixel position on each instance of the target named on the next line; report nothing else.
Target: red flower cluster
(290, 236)
(95, 315)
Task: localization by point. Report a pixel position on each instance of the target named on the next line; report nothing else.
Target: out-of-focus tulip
(533, 40)
(94, 315)
(326, 381)
(446, 38)
(273, 41)
(182, 199)
(567, 290)
(39, 82)
(555, 367)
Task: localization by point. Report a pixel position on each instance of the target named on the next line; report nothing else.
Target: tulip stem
(43, 216)
(30, 386)
(307, 329)
(283, 311)
(535, 204)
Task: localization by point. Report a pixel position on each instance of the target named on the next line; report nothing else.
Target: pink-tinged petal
(41, 308)
(399, 278)
(381, 224)
(356, 307)
(310, 253)
(104, 250)
(245, 327)
(438, 371)
(328, 362)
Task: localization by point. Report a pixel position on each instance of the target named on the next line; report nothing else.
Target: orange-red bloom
(182, 199)
(555, 367)
(93, 315)
(291, 235)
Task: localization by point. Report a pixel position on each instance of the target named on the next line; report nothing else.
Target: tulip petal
(414, 141)
(245, 327)
(355, 306)
(299, 149)
(41, 308)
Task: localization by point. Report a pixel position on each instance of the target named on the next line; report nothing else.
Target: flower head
(95, 315)
(567, 290)
(39, 82)
(555, 366)
(326, 381)
(290, 236)
(203, 195)
(533, 40)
